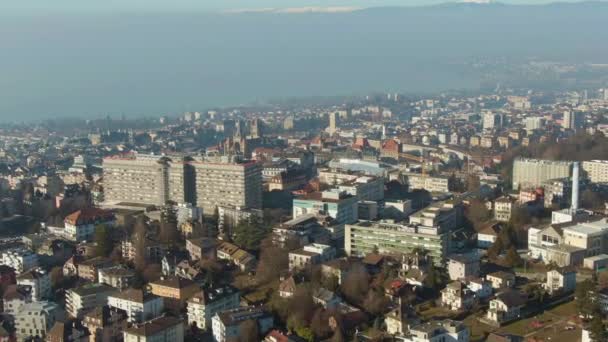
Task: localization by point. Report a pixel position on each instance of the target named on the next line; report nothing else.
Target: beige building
(162, 329)
(228, 184)
(597, 170)
(105, 324)
(175, 291)
(533, 172)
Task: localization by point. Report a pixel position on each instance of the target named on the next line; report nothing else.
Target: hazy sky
(209, 5)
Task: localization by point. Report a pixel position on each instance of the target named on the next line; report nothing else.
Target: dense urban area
(453, 217)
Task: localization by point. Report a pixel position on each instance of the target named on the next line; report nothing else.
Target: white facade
(20, 260)
(40, 282)
(138, 308)
(35, 319)
(163, 329)
(205, 305)
(226, 324)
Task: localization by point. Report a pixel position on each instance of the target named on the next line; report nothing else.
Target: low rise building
(105, 324)
(501, 279)
(309, 255)
(39, 281)
(118, 277)
(35, 319)
(161, 329)
(226, 325)
(456, 296)
(505, 307)
(207, 303)
(19, 259)
(175, 291)
(80, 300)
(561, 280)
(138, 305)
(463, 266)
(438, 330)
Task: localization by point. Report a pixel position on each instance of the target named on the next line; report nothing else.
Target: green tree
(249, 234)
(305, 333)
(103, 240)
(436, 278)
(584, 294)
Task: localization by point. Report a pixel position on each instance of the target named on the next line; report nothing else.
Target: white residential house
(80, 300)
(456, 296)
(487, 236)
(311, 254)
(438, 331)
(503, 208)
(206, 304)
(505, 307)
(226, 325)
(39, 281)
(80, 225)
(139, 306)
(501, 279)
(561, 280)
(463, 266)
(481, 287)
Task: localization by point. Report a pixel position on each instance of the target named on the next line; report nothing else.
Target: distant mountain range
(151, 64)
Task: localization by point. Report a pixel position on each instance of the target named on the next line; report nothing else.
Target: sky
(29, 6)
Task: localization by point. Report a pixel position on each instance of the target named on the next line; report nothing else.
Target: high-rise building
(256, 129)
(491, 120)
(143, 179)
(534, 122)
(155, 180)
(572, 120)
(333, 123)
(227, 184)
(533, 172)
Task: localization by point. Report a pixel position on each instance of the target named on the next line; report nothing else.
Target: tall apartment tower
(533, 172)
(227, 184)
(333, 123)
(572, 120)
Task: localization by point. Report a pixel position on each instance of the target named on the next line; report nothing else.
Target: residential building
(533, 172)
(20, 259)
(174, 290)
(463, 266)
(561, 280)
(199, 248)
(80, 225)
(505, 307)
(456, 296)
(117, 276)
(394, 238)
(105, 324)
(14, 297)
(80, 300)
(208, 302)
(312, 254)
(487, 236)
(230, 216)
(481, 287)
(161, 329)
(244, 260)
(503, 208)
(501, 279)
(596, 263)
(226, 325)
(39, 281)
(438, 331)
(596, 170)
(138, 305)
(35, 319)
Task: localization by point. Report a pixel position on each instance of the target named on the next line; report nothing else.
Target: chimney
(575, 172)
